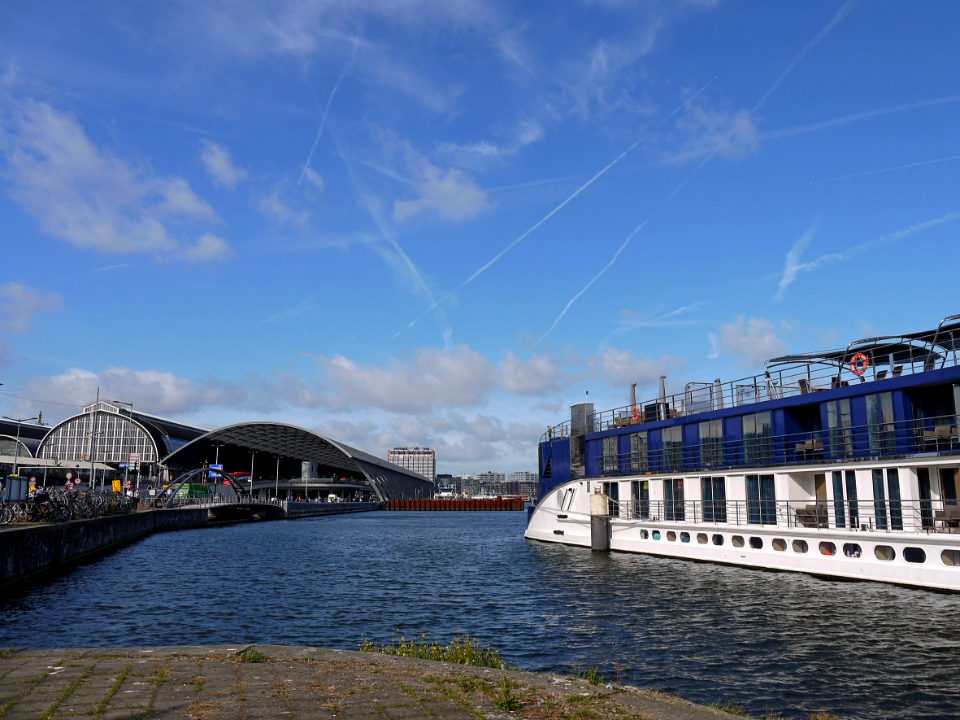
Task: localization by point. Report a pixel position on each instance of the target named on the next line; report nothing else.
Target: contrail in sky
(599, 274)
(889, 169)
(555, 210)
(323, 119)
(844, 10)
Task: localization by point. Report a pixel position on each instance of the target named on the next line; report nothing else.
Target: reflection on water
(772, 642)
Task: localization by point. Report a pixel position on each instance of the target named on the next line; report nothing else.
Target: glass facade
(113, 438)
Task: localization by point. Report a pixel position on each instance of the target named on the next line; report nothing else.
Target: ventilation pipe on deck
(633, 394)
(717, 395)
(662, 399)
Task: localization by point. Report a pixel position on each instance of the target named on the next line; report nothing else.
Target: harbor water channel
(768, 643)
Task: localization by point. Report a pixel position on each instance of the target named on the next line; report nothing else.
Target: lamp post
(217, 446)
(253, 454)
(16, 457)
(276, 480)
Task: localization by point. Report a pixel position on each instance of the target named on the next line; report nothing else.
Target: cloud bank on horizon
(221, 212)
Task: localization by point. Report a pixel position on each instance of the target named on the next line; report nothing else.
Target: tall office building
(419, 460)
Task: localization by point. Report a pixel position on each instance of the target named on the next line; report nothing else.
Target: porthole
(756, 543)
(914, 555)
(684, 537)
(828, 548)
(884, 552)
(644, 535)
(702, 538)
(718, 539)
(737, 540)
(852, 550)
(951, 558)
(779, 544)
(656, 534)
(800, 546)
(671, 536)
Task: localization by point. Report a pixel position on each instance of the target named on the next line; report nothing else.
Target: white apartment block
(419, 460)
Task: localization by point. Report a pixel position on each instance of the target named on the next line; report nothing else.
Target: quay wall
(29, 551)
(293, 509)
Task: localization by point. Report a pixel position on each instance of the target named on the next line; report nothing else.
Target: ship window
(702, 538)
(756, 543)
(656, 534)
(672, 441)
(610, 454)
(718, 539)
(612, 491)
(757, 438)
(560, 494)
(828, 548)
(737, 540)
(638, 452)
(884, 552)
(684, 537)
(673, 499)
(852, 550)
(800, 546)
(671, 536)
(914, 555)
(644, 534)
(779, 544)
(840, 425)
(761, 500)
(951, 557)
(640, 490)
(714, 494)
(711, 443)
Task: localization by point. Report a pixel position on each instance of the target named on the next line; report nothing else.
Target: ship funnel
(717, 395)
(633, 394)
(663, 390)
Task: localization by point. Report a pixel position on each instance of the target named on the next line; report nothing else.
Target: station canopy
(280, 448)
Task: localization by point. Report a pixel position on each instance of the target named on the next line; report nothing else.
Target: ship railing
(935, 435)
(890, 516)
(886, 358)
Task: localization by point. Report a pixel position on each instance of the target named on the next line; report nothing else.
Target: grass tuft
(463, 651)
(592, 676)
(251, 655)
(506, 701)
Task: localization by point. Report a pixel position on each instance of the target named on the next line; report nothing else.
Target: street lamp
(16, 458)
(276, 481)
(253, 454)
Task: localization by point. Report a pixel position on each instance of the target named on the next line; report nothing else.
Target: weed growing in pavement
(505, 701)
(592, 676)
(463, 651)
(251, 655)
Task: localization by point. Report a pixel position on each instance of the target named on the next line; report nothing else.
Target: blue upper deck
(876, 397)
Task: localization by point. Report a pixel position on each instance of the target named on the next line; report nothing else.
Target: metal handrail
(939, 434)
(788, 377)
(887, 516)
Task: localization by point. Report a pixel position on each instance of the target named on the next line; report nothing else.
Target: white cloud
(792, 264)
(83, 194)
(220, 166)
(311, 176)
(704, 132)
(449, 193)
(459, 377)
(620, 367)
(751, 343)
(531, 377)
(599, 86)
(273, 207)
(208, 247)
(19, 303)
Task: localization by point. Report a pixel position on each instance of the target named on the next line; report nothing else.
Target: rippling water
(770, 642)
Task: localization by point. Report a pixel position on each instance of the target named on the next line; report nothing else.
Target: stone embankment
(291, 682)
(28, 552)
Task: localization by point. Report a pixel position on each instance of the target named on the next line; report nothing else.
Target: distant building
(492, 478)
(524, 483)
(416, 459)
(523, 477)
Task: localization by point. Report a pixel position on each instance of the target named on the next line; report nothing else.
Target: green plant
(591, 675)
(463, 651)
(735, 710)
(505, 701)
(251, 655)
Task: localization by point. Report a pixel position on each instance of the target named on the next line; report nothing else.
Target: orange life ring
(636, 413)
(859, 363)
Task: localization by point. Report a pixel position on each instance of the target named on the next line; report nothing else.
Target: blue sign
(215, 467)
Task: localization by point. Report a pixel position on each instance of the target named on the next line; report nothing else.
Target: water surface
(770, 642)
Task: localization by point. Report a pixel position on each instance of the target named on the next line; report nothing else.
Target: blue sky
(441, 223)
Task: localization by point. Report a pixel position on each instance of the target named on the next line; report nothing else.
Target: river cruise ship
(843, 463)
